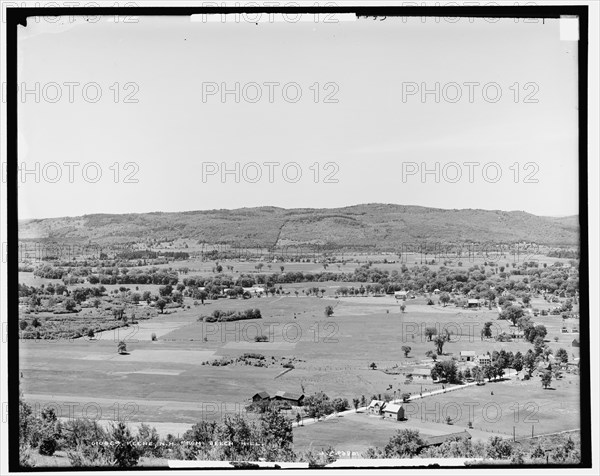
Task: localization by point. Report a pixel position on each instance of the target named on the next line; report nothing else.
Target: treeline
(125, 276)
(487, 282)
(228, 316)
(563, 253)
(409, 444)
(149, 254)
(481, 281)
(238, 439)
(269, 437)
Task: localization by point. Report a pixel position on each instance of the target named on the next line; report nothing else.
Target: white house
(484, 359)
(401, 295)
(254, 290)
(467, 356)
(375, 407)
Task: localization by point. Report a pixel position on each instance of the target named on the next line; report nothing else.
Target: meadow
(167, 382)
(168, 376)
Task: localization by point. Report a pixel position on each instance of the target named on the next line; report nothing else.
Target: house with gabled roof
(420, 374)
(291, 398)
(394, 411)
(261, 397)
(375, 407)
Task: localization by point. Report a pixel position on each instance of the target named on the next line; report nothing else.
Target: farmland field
(165, 381)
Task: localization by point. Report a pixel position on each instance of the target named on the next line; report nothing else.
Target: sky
(160, 134)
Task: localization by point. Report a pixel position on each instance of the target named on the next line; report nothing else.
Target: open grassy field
(168, 383)
(494, 409)
(351, 434)
(332, 355)
(497, 407)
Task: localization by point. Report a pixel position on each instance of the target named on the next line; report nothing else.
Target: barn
(393, 411)
(291, 398)
(261, 397)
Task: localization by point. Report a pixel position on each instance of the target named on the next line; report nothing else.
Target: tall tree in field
(430, 332)
(161, 303)
(517, 362)
(512, 313)
(546, 379)
(562, 355)
(529, 362)
(439, 342)
(478, 374)
(486, 332)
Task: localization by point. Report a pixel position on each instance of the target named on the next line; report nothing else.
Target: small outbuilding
(401, 295)
(261, 397)
(467, 356)
(421, 374)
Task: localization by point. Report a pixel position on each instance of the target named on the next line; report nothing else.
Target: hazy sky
(371, 134)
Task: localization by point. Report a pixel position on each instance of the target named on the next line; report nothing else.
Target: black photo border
(18, 16)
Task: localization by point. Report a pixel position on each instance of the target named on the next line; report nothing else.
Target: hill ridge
(375, 225)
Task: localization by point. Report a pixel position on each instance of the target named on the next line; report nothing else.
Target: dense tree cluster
(408, 443)
(320, 405)
(482, 282)
(125, 276)
(227, 316)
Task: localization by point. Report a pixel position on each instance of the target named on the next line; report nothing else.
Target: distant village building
(573, 367)
(394, 411)
(484, 359)
(468, 356)
(254, 290)
(472, 303)
(401, 295)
